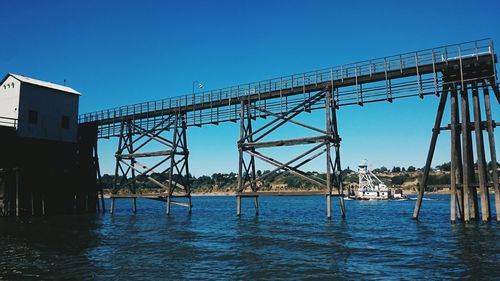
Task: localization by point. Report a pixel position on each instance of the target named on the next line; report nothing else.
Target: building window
(33, 117)
(65, 122)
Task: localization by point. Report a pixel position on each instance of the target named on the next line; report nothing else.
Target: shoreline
(262, 193)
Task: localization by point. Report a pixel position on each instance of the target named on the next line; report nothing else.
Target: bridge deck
(405, 75)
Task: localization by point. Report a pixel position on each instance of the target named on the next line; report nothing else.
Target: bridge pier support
(252, 141)
(463, 182)
(170, 169)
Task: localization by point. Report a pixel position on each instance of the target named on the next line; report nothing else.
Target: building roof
(40, 83)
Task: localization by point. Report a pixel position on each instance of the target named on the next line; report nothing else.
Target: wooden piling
(240, 162)
(485, 202)
(328, 157)
(328, 206)
(238, 205)
(134, 205)
(112, 209)
(470, 205)
(167, 210)
(432, 147)
(454, 158)
(333, 109)
(458, 157)
(491, 140)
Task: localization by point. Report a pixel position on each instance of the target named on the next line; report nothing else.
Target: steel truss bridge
(454, 73)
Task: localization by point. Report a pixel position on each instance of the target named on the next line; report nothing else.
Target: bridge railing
(301, 81)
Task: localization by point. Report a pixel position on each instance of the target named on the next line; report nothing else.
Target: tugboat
(370, 186)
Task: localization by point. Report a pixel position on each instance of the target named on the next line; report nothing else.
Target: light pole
(197, 84)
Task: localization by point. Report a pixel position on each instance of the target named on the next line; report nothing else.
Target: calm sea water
(290, 240)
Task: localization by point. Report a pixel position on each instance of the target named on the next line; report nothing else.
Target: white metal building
(39, 109)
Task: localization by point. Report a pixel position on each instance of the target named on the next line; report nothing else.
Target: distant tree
(293, 182)
(403, 169)
(203, 181)
(383, 169)
(444, 167)
(396, 169)
(411, 169)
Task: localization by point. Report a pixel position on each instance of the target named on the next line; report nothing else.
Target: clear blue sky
(123, 52)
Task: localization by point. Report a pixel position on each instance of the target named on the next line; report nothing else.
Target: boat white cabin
(370, 186)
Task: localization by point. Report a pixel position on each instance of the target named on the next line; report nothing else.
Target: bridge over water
(454, 73)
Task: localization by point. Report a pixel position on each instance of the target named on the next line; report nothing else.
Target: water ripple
(290, 240)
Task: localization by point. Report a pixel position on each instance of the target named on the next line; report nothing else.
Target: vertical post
(485, 202)
(470, 206)
(130, 148)
(112, 209)
(238, 205)
(186, 160)
(493, 154)
(328, 157)
(117, 155)
(172, 155)
(99, 178)
(252, 177)
(167, 211)
(430, 155)
(453, 186)
(336, 138)
(17, 193)
(240, 159)
(458, 153)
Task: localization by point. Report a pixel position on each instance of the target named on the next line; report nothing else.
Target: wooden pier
(457, 74)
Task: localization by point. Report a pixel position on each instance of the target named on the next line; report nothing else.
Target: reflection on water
(42, 247)
(290, 240)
